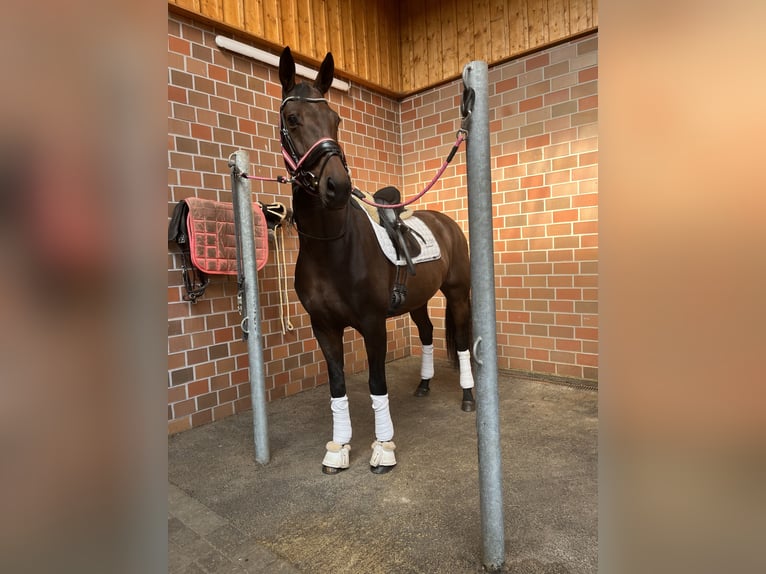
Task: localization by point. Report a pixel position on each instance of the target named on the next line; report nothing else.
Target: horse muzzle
(335, 190)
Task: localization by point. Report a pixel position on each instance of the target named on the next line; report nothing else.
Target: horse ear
(287, 70)
(325, 75)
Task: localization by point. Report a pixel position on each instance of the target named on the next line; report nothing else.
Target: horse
(342, 277)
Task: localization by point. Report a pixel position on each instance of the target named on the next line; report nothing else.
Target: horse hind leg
(458, 331)
(425, 333)
(426, 370)
(466, 381)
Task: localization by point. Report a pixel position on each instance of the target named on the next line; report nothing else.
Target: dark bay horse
(342, 277)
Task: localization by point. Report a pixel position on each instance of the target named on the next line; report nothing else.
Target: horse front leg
(338, 449)
(383, 459)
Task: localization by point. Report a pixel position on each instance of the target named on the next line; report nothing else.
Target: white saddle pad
(429, 248)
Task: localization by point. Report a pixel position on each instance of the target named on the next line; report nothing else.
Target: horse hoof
(381, 469)
(468, 406)
(331, 469)
(421, 392)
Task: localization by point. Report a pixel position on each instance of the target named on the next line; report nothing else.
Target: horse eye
(293, 120)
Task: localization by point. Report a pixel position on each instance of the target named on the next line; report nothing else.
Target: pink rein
(461, 135)
(460, 138)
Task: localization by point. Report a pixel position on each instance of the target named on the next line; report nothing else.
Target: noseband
(321, 151)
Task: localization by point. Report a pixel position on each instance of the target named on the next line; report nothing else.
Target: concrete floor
(228, 513)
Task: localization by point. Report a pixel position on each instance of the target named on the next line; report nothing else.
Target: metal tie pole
(475, 76)
(243, 218)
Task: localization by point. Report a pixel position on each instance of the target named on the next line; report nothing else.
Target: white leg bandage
(341, 420)
(384, 428)
(427, 364)
(466, 376)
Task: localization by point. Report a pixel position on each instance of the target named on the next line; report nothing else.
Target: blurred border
(682, 283)
(82, 216)
(682, 280)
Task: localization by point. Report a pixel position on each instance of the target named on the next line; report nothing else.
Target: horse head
(309, 134)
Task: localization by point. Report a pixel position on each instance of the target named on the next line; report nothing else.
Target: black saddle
(402, 236)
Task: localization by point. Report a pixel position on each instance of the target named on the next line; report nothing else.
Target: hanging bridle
(318, 154)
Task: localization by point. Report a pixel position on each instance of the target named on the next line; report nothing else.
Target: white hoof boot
(383, 458)
(336, 458)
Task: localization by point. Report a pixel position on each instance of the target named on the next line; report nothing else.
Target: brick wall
(544, 146)
(218, 103)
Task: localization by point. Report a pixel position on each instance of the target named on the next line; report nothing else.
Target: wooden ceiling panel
(399, 48)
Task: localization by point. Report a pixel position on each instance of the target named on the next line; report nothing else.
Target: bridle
(318, 154)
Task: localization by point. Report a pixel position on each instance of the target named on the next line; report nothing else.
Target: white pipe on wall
(272, 60)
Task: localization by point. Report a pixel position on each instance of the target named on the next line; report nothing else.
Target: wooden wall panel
(498, 30)
(272, 28)
(558, 24)
(480, 23)
(450, 40)
(580, 14)
(459, 31)
(348, 36)
(383, 39)
(433, 29)
(286, 21)
(212, 9)
(305, 29)
(400, 47)
(518, 26)
(360, 40)
(191, 5)
(537, 19)
(335, 36)
(253, 17)
(233, 12)
(463, 30)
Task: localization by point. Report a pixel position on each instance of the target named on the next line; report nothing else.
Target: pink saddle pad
(213, 239)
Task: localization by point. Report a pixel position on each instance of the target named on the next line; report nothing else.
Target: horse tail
(451, 333)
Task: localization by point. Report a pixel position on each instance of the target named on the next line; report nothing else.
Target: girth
(404, 241)
(403, 238)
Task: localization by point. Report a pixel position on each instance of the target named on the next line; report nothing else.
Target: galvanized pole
(243, 217)
(475, 77)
